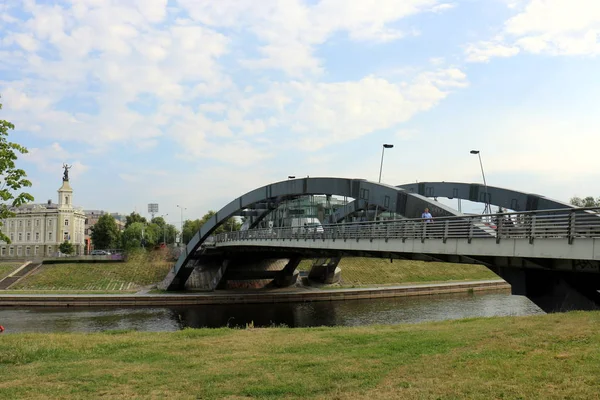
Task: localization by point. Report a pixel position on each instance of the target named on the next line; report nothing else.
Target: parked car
(100, 253)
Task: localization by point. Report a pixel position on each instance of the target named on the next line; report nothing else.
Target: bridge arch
(365, 193)
(497, 196)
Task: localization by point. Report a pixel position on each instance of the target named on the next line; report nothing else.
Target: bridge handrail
(557, 223)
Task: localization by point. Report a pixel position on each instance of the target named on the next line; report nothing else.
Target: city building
(37, 230)
(91, 217)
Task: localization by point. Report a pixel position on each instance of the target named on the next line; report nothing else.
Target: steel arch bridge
(406, 202)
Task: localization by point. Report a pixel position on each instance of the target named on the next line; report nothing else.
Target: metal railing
(562, 223)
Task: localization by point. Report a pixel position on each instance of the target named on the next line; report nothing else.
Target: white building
(37, 230)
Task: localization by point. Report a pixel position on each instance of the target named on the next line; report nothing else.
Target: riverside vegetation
(143, 269)
(553, 356)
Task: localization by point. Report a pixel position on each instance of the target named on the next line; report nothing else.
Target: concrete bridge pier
(326, 270)
(554, 291)
(288, 276)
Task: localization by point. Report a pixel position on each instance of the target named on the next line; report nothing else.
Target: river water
(334, 313)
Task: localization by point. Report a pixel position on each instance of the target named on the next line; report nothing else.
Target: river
(334, 313)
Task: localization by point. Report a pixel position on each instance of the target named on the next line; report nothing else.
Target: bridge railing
(562, 223)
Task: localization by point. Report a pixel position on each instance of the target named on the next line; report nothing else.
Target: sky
(196, 102)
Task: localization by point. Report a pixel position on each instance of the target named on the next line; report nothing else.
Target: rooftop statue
(66, 173)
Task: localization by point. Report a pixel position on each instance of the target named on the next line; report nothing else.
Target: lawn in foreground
(362, 271)
(553, 356)
(139, 270)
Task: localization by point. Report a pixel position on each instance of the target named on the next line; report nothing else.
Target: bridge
(545, 249)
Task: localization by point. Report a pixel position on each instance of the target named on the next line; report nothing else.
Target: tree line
(141, 233)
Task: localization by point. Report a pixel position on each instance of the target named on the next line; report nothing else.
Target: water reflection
(344, 313)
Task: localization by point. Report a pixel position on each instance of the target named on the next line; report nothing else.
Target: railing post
(446, 229)
(499, 228)
(532, 231)
(571, 233)
(471, 227)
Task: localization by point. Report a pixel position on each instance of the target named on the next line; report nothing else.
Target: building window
(49, 250)
(27, 251)
(35, 250)
(49, 222)
(12, 224)
(3, 251)
(66, 222)
(29, 236)
(37, 222)
(37, 236)
(20, 237)
(66, 236)
(29, 223)
(11, 251)
(20, 224)
(50, 236)
(19, 250)
(12, 237)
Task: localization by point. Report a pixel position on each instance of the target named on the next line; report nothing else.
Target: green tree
(133, 218)
(191, 227)
(139, 234)
(105, 233)
(11, 178)
(586, 202)
(66, 247)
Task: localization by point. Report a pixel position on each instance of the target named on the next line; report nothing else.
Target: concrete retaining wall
(172, 300)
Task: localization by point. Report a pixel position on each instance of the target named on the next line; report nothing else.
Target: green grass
(139, 270)
(553, 356)
(7, 268)
(360, 271)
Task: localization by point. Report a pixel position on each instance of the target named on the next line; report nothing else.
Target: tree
(66, 247)
(11, 178)
(586, 202)
(191, 227)
(133, 218)
(105, 233)
(140, 234)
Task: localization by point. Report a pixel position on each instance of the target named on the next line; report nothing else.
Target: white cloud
(289, 29)
(554, 27)
(484, 51)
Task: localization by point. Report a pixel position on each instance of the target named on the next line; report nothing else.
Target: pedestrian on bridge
(426, 216)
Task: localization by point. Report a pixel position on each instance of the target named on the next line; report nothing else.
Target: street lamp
(164, 229)
(487, 208)
(385, 146)
(181, 208)
(291, 177)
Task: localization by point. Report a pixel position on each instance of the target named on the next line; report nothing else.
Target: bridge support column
(288, 275)
(554, 291)
(326, 270)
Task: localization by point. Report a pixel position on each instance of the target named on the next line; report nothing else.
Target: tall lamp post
(181, 208)
(385, 146)
(487, 209)
(164, 229)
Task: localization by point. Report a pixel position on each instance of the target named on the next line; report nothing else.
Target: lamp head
(474, 152)
(388, 146)
(291, 177)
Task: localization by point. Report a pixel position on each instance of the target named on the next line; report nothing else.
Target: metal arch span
(497, 196)
(384, 196)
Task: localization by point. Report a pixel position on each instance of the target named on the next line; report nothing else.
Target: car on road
(100, 253)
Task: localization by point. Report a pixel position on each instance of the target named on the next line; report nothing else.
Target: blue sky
(195, 102)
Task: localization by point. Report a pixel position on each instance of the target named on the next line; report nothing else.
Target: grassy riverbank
(7, 267)
(553, 356)
(364, 272)
(116, 277)
(150, 268)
